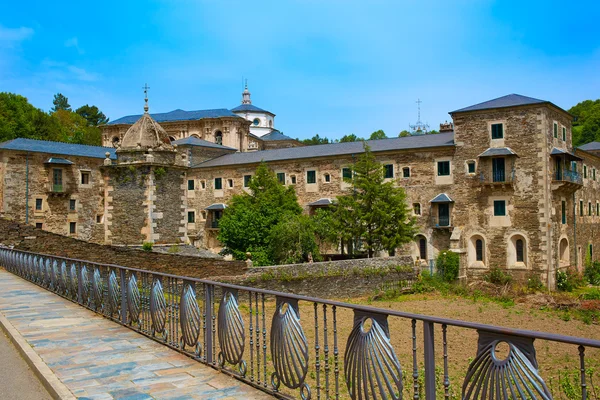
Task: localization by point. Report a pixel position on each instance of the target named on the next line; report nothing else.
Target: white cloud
(74, 42)
(81, 74)
(14, 35)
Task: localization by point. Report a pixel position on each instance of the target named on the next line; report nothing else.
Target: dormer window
(497, 131)
(219, 137)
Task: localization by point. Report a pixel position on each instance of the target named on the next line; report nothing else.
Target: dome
(148, 133)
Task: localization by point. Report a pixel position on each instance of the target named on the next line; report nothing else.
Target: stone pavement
(98, 359)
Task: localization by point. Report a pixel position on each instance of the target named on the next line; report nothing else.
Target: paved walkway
(99, 359)
(18, 382)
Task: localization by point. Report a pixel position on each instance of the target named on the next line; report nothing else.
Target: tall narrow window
(423, 248)
(218, 183)
(72, 204)
(589, 208)
(591, 251)
(38, 204)
(327, 178)
(555, 130)
(388, 171)
(498, 170)
(57, 180)
(72, 228)
(520, 250)
(497, 131)
(190, 184)
(85, 178)
(247, 180)
(281, 177)
(406, 172)
(479, 250)
(417, 208)
(585, 171)
(191, 217)
(230, 183)
(581, 208)
(564, 212)
(218, 137)
(564, 134)
(311, 177)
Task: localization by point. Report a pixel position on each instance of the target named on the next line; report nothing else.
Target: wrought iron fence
(297, 346)
(569, 176)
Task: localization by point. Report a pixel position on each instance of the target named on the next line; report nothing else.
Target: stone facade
(505, 189)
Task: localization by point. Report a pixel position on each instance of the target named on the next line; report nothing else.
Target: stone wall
(25, 237)
(332, 279)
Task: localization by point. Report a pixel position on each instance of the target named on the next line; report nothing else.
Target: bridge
(106, 331)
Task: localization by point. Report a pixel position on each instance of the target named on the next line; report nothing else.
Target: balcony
(441, 222)
(59, 190)
(497, 178)
(214, 224)
(566, 180)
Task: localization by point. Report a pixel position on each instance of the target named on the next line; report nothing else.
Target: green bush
(147, 246)
(592, 273)
(447, 264)
(568, 280)
(534, 283)
(497, 277)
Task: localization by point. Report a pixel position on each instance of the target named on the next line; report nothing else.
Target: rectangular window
(98, 219)
(590, 208)
(471, 167)
(281, 177)
(57, 181)
(499, 208)
(230, 183)
(581, 208)
(497, 131)
(38, 204)
(311, 177)
(388, 171)
(443, 168)
(564, 134)
(202, 185)
(327, 178)
(247, 180)
(594, 173)
(85, 178)
(585, 171)
(564, 212)
(191, 183)
(39, 225)
(346, 173)
(597, 208)
(191, 217)
(574, 166)
(218, 183)
(406, 172)
(293, 179)
(72, 204)
(417, 208)
(72, 227)
(555, 130)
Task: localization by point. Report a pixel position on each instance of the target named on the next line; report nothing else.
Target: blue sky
(330, 67)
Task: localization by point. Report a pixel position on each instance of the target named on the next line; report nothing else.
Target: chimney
(446, 127)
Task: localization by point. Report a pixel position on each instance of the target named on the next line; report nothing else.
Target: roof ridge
(56, 141)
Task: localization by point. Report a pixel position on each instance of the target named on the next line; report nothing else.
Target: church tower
(262, 121)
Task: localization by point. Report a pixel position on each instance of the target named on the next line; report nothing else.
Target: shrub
(592, 294)
(173, 249)
(147, 246)
(568, 280)
(592, 272)
(447, 264)
(497, 277)
(534, 283)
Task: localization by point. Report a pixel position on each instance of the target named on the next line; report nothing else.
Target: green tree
(18, 118)
(376, 212)
(350, 138)
(316, 140)
(586, 123)
(433, 132)
(60, 102)
(247, 221)
(293, 240)
(92, 114)
(74, 129)
(404, 133)
(378, 135)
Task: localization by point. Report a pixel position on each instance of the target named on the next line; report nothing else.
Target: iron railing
(498, 177)
(297, 346)
(569, 176)
(440, 221)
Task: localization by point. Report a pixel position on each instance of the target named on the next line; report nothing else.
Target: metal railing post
(79, 284)
(209, 297)
(123, 296)
(429, 359)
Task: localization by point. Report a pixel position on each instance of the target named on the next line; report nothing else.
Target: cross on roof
(146, 87)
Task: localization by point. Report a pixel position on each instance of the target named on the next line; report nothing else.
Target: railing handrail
(420, 317)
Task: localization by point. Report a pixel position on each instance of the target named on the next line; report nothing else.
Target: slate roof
(216, 206)
(57, 160)
(321, 203)
(194, 141)
(442, 198)
(275, 135)
(510, 100)
(559, 152)
(590, 146)
(178, 115)
(333, 149)
(67, 149)
(250, 108)
(498, 151)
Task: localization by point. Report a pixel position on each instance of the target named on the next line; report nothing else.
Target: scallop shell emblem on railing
(98, 288)
(133, 299)
(64, 278)
(158, 308)
(74, 281)
(289, 347)
(48, 273)
(231, 329)
(190, 317)
(371, 366)
(85, 285)
(490, 376)
(54, 275)
(114, 292)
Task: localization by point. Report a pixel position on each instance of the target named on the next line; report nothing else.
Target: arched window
(195, 136)
(171, 138)
(219, 137)
(564, 251)
(421, 242)
(479, 250)
(520, 250)
(115, 141)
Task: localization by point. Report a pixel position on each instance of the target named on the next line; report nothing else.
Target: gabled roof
(275, 135)
(442, 198)
(498, 151)
(324, 202)
(250, 108)
(590, 146)
(57, 160)
(68, 149)
(178, 115)
(216, 206)
(560, 152)
(333, 149)
(194, 141)
(510, 100)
